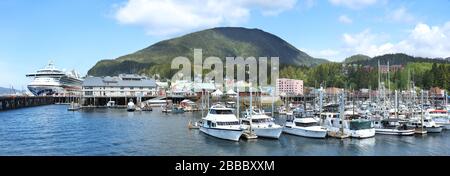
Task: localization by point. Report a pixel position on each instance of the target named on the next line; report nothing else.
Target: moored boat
(220, 122)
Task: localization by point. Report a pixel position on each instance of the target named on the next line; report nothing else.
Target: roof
(130, 81)
(217, 93)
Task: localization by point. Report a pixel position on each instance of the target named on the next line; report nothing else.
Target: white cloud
(401, 15)
(365, 43)
(330, 54)
(423, 40)
(353, 4)
(167, 17)
(345, 19)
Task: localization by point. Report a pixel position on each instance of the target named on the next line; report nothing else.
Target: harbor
(52, 130)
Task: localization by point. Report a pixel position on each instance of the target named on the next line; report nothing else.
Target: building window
(89, 93)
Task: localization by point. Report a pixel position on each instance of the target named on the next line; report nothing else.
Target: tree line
(354, 76)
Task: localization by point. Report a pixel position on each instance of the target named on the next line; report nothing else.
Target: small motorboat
(131, 107)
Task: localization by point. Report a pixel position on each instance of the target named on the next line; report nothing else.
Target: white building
(119, 86)
(289, 86)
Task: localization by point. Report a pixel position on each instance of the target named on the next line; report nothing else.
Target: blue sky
(75, 34)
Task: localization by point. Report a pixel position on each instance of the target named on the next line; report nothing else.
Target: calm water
(52, 130)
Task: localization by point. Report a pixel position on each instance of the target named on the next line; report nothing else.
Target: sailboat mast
(273, 101)
(238, 103)
(341, 111)
(421, 109)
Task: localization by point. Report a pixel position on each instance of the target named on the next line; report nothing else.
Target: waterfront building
(124, 85)
(289, 86)
(436, 92)
(185, 88)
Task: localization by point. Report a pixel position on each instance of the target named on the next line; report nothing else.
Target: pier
(16, 102)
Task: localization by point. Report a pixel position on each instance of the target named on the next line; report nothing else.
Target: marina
(52, 130)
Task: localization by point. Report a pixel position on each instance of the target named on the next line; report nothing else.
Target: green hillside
(219, 42)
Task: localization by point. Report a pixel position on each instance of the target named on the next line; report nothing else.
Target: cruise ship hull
(45, 90)
(40, 90)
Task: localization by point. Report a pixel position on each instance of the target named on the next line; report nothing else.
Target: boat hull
(227, 134)
(362, 134)
(395, 132)
(445, 126)
(434, 129)
(268, 132)
(306, 132)
(45, 90)
(359, 134)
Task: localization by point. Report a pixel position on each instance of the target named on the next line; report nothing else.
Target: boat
(261, 124)
(111, 104)
(220, 122)
(53, 81)
(428, 123)
(301, 125)
(177, 110)
(131, 107)
(441, 117)
(355, 128)
(74, 107)
(393, 126)
(166, 109)
(342, 127)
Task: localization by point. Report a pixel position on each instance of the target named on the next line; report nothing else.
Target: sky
(76, 34)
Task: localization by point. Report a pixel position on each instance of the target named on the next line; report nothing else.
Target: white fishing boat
(356, 128)
(262, 124)
(220, 122)
(341, 127)
(428, 123)
(393, 126)
(74, 107)
(300, 125)
(441, 117)
(131, 106)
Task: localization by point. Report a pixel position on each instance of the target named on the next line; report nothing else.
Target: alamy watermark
(240, 72)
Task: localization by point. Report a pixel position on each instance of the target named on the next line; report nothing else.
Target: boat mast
(237, 99)
(273, 102)
(396, 104)
(251, 108)
(341, 111)
(320, 103)
(421, 109)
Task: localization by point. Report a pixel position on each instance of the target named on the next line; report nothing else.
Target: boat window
(360, 125)
(260, 120)
(245, 122)
(306, 124)
(208, 123)
(221, 111)
(227, 123)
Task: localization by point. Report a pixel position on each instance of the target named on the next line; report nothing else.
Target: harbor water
(52, 130)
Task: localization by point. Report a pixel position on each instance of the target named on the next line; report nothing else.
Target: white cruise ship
(52, 81)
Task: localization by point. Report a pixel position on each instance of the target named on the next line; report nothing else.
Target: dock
(16, 102)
